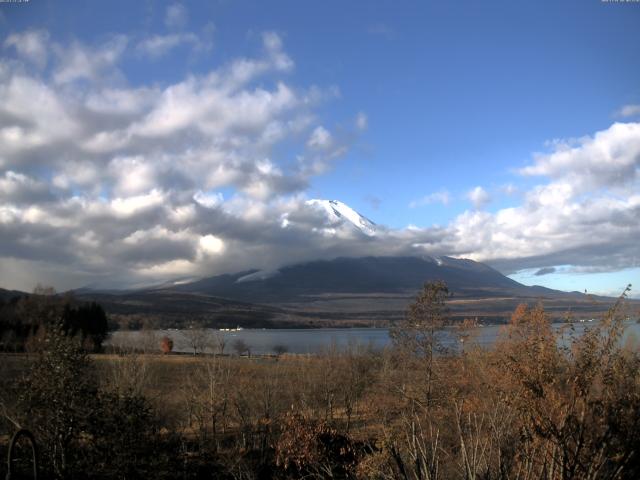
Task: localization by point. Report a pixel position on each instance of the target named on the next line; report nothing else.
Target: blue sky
(423, 104)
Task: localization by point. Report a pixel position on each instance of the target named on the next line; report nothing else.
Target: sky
(147, 141)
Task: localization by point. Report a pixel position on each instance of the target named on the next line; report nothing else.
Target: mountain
(364, 275)
(338, 213)
(341, 292)
(9, 294)
(338, 292)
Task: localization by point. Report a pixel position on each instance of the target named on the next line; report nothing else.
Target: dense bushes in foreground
(529, 408)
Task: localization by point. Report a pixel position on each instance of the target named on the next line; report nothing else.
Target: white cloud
(585, 215)
(81, 174)
(103, 179)
(441, 196)
(176, 16)
(38, 116)
(121, 101)
(479, 197)
(169, 269)
(509, 189)
(121, 182)
(631, 110)
(202, 104)
(127, 206)
(79, 62)
(211, 245)
(320, 138)
(133, 175)
(362, 121)
(31, 45)
(208, 200)
(273, 45)
(159, 45)
(17, 188)
(610, 158)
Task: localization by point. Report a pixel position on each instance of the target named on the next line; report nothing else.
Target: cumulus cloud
(19, 189)
(30, 45)
(81, 62)
(443, 197)
(607, 159)
(479, 197)
(208, 200)
(103, 181)
(586, 214)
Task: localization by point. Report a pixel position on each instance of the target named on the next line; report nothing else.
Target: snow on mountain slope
(259, 275)
(338, 212)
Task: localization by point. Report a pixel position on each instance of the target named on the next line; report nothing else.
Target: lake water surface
(317, 340)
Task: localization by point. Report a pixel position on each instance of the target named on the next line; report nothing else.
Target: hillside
(364, 275)
(341, 292)
(9, 294)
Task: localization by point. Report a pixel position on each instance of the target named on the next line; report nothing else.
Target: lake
(263, 341)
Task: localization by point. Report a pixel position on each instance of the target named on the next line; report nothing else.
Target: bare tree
(280, 349)
(196, 338)
(148, 337)
(416, 334)
(207, 395)
(356, 375)
(240, 347)
(130, 373)
(220, 342)
(465, 331)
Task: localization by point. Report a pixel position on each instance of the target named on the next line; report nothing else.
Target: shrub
(166, 345)
(58, 397)
(79, 428)
(308, 448)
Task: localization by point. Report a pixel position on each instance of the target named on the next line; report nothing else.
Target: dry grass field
(527, 409)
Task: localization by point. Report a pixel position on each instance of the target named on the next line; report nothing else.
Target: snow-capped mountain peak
(338, 212)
